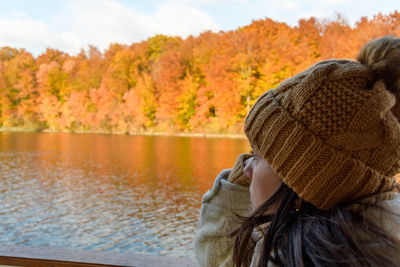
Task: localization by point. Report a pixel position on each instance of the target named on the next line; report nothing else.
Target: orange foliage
(198, 84)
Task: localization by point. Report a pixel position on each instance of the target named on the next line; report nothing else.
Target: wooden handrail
(61, 257)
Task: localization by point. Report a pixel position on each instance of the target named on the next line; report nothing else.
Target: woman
(319, 187)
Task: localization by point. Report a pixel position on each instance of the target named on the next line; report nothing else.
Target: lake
(121, 193)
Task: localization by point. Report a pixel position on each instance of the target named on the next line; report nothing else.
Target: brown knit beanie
(332, 132)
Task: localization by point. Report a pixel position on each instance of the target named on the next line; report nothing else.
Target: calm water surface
(117, 193)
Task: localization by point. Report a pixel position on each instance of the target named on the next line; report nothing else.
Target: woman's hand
(237, 175)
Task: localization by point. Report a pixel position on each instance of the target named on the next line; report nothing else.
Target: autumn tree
(18, 87)
(204, 83)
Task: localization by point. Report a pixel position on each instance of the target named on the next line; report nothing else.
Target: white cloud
(290, 5)
(69, 42)
(100, 23)
(17, 31)
(103, 22)
(183, 20)
(21, 31)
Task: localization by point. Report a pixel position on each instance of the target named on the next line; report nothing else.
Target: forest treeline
(203, 84)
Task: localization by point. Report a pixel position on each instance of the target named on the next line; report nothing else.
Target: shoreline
(203, 135)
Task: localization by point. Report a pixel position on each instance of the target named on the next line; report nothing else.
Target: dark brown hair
(311, 237)
(382, 56)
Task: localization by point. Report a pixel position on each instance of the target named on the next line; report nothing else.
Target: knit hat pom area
(332, 132)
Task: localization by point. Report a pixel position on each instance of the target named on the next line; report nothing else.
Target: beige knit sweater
(213, 247)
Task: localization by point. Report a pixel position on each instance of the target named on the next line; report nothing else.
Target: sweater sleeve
(218, 219)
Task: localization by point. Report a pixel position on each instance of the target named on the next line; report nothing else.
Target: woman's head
(329, 136)
(332, 132)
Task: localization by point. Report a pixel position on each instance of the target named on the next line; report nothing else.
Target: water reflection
(107, 192)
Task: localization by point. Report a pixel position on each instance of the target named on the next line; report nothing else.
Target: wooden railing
(46, 256)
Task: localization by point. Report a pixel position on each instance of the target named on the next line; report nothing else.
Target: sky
(70, 25)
